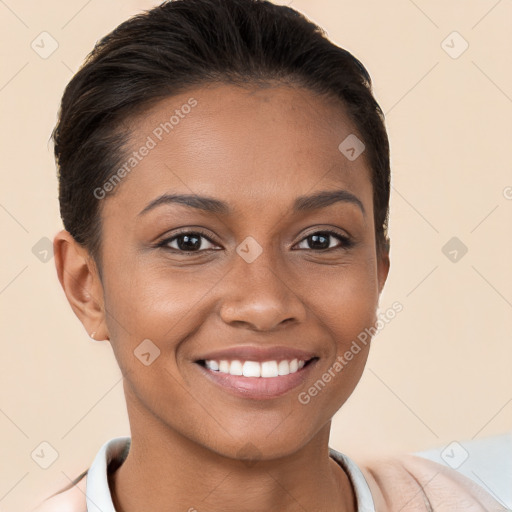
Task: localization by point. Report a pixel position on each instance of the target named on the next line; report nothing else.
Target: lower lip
(258, 388)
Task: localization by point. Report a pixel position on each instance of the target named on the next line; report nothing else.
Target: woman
(224, 188)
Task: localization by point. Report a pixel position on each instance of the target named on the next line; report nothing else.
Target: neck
(165, 471)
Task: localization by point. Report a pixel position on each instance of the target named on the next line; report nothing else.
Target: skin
(257, 149)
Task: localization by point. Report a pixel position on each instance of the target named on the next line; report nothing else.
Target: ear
(79, 278)
(383, 266)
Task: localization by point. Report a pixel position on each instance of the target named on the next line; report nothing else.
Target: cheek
(151, 311)
(154, 302)
(346, 309)
(346, 299)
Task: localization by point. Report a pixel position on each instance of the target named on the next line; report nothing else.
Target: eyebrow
(211, 205)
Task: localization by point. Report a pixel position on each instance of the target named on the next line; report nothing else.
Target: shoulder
(71, 499)
(410, 483)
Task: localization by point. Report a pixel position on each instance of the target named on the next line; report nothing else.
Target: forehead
(246, 146)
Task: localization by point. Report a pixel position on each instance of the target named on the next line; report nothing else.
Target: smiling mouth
(257, 380)
(265, 369)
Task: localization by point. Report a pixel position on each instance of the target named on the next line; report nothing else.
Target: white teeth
(269, 369)
(283, 368)
(251, 369)
(266, 369)
(236, 368)
(212, 365)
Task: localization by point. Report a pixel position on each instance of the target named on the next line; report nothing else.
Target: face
(256, 273)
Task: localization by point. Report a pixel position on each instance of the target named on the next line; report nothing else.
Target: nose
(258, 296)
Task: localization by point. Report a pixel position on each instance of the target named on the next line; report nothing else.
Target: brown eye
(187, 241)
(321, 241)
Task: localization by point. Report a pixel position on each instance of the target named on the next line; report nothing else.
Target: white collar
(98, 495)
(362, 491)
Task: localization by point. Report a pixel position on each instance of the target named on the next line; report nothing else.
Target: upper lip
(259, 354)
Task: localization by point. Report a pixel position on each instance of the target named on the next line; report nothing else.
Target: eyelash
(347, 242)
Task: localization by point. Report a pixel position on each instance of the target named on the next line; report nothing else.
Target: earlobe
(80, 281)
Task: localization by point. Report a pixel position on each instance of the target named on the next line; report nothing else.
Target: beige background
(440, 371)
